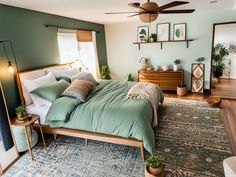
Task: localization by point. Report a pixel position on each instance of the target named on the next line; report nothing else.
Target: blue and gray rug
(190, 138)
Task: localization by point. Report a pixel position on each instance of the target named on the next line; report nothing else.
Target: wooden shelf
(161, 42)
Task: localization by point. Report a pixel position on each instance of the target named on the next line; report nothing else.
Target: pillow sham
(67, 79)
(84, 76)
(63, 72)
(79, 89)
(51, 92)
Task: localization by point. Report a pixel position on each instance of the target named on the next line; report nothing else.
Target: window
(71, 50)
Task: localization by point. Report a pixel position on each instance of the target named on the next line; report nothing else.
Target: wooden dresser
(167, 80)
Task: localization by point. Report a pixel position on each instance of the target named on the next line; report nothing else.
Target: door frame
(212, 45)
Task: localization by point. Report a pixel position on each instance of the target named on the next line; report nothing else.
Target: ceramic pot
(165, 67)
(182, 91)
(175, 67)
(154, 172)
(152, 39)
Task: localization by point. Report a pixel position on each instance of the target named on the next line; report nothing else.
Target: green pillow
(67, 79)
(51, 92)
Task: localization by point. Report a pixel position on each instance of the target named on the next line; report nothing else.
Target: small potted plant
(21, 113)
(200, 60)
(105, 72)
(153, 37)
(130, 78)
(176, 63)
(154, 167)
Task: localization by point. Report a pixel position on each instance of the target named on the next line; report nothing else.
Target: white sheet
(40, 111)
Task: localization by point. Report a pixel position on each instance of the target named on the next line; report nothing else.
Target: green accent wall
(34, 44)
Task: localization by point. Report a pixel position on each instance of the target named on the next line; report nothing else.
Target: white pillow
(32, 84)
(84, 76)
(38, 101)
(63, 72)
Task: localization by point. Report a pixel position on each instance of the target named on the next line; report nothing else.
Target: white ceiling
(93, 10)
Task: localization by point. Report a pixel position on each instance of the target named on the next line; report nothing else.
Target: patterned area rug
(190, 138)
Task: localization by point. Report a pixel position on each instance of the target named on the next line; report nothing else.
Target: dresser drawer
(150, 81)
(170, 75)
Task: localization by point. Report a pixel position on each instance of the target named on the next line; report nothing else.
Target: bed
(107, 115)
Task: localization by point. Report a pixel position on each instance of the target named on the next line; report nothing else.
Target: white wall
(226, 34)
(123, 56)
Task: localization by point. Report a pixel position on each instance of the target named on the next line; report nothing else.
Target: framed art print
(143, 34)
(180, 31)
(163, 31)
(197, 79)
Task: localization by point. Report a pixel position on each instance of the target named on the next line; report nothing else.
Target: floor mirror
(223, 62)
(8, 149)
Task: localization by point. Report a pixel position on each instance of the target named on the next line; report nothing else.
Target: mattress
(40, 111)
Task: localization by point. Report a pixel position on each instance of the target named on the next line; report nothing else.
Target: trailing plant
(21, 111)
(130, 78)
(200, 60)
(105, 72)
(219, 54)
(154, 162)
(177, 61)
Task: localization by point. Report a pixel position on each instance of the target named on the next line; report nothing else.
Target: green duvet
(106, 110)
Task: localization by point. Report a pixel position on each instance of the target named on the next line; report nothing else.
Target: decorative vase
(154, 172)
(165, 67)
(182, 90)
(175, 67)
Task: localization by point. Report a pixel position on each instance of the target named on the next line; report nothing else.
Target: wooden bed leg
(86, 142)
(55, 136)
(142, 153)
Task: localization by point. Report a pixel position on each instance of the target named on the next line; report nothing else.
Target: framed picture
(143, 34)
(198, 78)
(180, 31)
(163, 31)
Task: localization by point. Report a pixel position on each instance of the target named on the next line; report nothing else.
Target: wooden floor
(228, 113)
(226, 88)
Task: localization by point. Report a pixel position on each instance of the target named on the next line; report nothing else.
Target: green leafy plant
(21, 111)
(154, 162)
(105, 72)
(153, 36)
(130, 78)
(200, 60)
(219, 54)
(177, 61)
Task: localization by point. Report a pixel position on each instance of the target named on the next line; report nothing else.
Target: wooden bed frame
(80, 133)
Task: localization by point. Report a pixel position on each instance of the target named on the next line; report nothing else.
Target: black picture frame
(167, 23)
(147, 29)
(185, 31)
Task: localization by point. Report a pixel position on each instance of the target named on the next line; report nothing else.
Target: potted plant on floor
(219, 54)
(176, 63)
(105, 72)
(21, 113)
(154, 167)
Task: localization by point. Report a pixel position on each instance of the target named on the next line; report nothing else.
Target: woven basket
(182, 91)
(148, 174)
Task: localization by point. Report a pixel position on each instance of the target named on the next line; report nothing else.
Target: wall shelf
(161, 42)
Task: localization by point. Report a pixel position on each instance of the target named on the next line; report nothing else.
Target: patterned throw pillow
(84, 76)
(79, 89)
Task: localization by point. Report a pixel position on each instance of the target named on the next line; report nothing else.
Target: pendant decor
(198, 72)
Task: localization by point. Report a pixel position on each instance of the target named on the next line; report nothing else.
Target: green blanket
(106, 110)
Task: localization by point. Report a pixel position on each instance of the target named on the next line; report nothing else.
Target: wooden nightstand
(29, 123)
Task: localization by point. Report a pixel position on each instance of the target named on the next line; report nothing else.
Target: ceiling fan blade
(177, 11)
(172, 4)
(138, 14)
(135, 5)
(111, 13)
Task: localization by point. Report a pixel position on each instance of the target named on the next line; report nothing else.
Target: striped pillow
(79, 89)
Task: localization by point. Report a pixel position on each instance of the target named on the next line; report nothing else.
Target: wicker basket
(148, 174)
(182, 91)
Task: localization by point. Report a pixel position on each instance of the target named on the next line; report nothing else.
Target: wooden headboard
(31, 72)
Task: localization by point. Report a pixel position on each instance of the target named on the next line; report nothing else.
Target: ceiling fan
(149, 11)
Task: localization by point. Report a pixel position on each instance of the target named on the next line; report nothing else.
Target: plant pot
(175, 67)
(154, 172)
(152, 39)
(182, 91)
(214, 81)
(21, 118)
